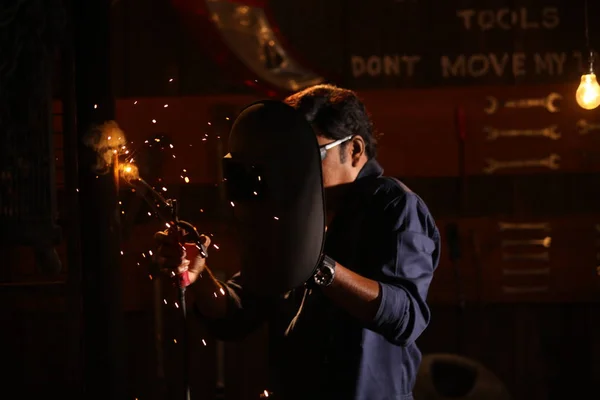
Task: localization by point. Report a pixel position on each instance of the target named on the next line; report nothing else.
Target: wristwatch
(325, 272)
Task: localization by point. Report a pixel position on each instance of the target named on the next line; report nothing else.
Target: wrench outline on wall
(545, 256)
(522, 272)
(547, 102)
(551, 162)
(584, 127)
(544, 242)
(524, 226)
(524, 289)
(549, 132)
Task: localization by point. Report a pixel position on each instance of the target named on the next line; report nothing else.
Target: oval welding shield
(273, 179)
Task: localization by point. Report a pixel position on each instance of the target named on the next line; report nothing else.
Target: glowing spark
(144, 255)
(95, 105)
(171, 80)
(129, 171)
(276, 218)
(171, 146)
(215, 294)
(256, 194)
(164, 189)
(150, 252)
(166, 105)
(209, 123)
(167, 225)
(176, 305)
(204, 342)
(153, 121)
(149, 214)
(135, 102)
(201, 210)
(150, 276)
(165, 301)
(232, 205)
(157, 140)
(186, 179)
(175, 341)
(121, 252)
(226, 118)
(216, 246)
(222, 291)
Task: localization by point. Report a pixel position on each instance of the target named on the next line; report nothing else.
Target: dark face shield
(244, 182)
(274, 180)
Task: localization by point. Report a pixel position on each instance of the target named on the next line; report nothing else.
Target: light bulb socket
(591, 61)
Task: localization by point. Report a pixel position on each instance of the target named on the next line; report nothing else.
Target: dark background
(542, 345)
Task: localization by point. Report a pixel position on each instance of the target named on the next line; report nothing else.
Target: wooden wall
(543, 344)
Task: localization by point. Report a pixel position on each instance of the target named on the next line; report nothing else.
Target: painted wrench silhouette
(547, 102)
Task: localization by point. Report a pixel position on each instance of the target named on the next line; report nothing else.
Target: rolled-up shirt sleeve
(245, 312)
(411, 258)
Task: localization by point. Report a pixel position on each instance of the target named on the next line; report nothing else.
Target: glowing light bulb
(588, 92)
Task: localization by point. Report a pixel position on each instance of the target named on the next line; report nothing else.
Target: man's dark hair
(335, 113)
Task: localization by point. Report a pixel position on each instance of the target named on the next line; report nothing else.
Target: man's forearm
(209, 296)
(358, 295)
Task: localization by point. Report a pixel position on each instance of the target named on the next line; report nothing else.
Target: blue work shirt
(383, 232)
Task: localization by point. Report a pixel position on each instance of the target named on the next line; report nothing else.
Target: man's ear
(357, 146)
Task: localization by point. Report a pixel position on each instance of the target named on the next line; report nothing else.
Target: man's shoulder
(398, 202)
(393, 192)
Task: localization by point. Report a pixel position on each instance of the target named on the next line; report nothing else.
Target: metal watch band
(325, 273)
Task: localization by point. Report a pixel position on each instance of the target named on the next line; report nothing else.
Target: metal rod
(183, 281)
(159, 332)
(184, 344)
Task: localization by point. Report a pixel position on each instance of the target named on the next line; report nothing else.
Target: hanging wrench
(545, 256)
(529, 271)
(551, 162)
(584, 127)
(547, 102)
(549, 132)
(524, 289)
(524, 226)
(545, 242)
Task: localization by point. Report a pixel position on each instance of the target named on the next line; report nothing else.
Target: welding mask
(273, 179)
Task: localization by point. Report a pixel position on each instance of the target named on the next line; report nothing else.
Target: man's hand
(179, 258)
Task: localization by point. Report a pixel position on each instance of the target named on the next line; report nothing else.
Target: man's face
(336, 172)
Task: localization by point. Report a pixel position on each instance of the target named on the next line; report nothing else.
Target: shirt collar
(371, 169)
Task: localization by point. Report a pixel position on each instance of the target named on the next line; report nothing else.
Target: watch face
(326, 273)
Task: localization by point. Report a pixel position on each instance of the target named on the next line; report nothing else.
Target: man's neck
(334, 198)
